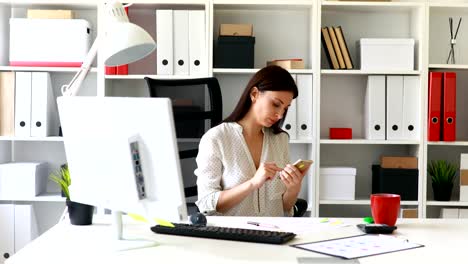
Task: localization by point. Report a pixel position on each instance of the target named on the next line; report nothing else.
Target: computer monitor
(122, 155)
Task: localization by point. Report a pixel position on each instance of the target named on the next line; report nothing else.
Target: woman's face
(269, 106)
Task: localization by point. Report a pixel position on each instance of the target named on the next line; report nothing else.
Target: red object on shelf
(434, 106)
(449, 122)
(341, 133)
(111, 70)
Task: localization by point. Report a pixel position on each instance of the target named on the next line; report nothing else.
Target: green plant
(442, 172)
(62, 178)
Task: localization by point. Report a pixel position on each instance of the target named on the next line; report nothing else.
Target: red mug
(385, 208)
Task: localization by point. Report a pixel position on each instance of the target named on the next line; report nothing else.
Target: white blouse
(224, 161)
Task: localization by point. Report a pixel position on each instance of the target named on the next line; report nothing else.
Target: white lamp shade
(125, 43)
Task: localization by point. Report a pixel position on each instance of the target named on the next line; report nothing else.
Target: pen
(262, 224)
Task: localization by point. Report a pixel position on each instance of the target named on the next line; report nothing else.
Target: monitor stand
(129, 243)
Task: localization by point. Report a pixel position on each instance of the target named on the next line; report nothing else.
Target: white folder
(5, 11)
(25, 225)
(411, 107)
(164, 39)
(181, 42)
(289, 124)
(23, 104)
(394, 107)
(44, 117)
(304, 106)
(374, 108)
(7, 230)
(197, 43)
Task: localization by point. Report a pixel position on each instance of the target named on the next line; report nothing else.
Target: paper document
(358, 246)
(326, 260)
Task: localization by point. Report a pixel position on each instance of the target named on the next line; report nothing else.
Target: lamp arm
(73, 87)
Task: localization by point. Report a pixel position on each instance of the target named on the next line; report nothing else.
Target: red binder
(434, 106)
(449, 105)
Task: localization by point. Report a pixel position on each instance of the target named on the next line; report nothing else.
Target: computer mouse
(198, 219)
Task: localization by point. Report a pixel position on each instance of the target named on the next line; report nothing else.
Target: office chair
(214, 115)
(195, 117)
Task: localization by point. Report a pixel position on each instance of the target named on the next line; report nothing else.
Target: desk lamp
(124, 42)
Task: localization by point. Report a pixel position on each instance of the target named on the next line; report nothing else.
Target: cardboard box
(50, 14)
(463, 213)
(337, 183)
(22, 180)
(399, 162)
(464, 193)
(386, 54)
(288, 64)
(245, 30)
(409, 213)
(399, 181)
(463, 161)
(463, 177)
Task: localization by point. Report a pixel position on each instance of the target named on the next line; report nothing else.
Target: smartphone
(303, 165)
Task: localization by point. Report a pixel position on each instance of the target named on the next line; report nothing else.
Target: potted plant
(79, 214)
(443, 175)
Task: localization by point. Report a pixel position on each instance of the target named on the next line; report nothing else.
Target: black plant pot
(442, 192)
(80, 214)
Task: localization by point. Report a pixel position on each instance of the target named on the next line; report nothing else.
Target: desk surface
(445, 240)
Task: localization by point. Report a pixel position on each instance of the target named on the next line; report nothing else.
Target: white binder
(44, 117)
(7, 231)
(289, 124)
(394, 107)
(164, 39)
(181, 42)
(411, 107)
(197, 43)
(23, 104)
(5, 11)
(304, 106)
(374, 108)
(25, 225)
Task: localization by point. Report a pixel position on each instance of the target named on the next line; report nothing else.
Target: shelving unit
(337, 96)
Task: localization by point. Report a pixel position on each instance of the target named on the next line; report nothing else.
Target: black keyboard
(226, 233)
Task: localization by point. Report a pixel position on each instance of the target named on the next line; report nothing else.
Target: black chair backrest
(214, 114)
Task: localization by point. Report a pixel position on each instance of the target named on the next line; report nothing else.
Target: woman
(243, 163)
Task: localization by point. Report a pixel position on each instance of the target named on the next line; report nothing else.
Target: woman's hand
(266, 171)
(292, 178)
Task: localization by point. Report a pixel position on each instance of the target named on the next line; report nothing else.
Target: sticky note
(163, 222)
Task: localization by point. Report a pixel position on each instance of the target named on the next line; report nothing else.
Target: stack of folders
(392, 107)
(336, 48)
(442, 106)
(181, 39)
(30, 105)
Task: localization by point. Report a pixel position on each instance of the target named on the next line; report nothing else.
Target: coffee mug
(385, 208)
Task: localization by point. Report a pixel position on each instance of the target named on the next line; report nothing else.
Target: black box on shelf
(186, 128)
(398, 181)
(234, 52)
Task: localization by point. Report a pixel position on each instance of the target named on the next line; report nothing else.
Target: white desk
(445, 240)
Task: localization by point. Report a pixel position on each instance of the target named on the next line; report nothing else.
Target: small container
(234, 52)
(387, 54)
(341, 133)
(337, 183)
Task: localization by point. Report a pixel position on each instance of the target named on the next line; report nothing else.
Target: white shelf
(370, 6)
(369, 142)
(447, 4)
(301, 141)
(44, 69)
(267, 5)
(142, 76)
(449, 66)
(448, 143)
(45, 197)
(41, 139)
(364, 72)
(448, 203)
(360, 202)
(252, 71)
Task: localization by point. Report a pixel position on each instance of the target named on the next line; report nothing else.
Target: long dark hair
(270, 78)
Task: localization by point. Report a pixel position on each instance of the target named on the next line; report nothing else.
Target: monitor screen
(122, 154)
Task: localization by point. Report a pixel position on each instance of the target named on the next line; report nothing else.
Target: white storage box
(337, 183)
(386, 54)
(49, 42)
(22, 180)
